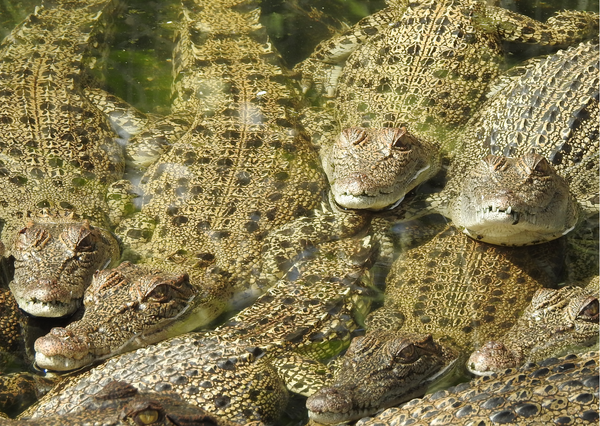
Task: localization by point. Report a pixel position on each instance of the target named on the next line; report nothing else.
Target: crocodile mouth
(499, 214)
(62, 363)
(53, 309)
(378, 202)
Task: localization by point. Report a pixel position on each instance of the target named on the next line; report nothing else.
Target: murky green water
(139, 66)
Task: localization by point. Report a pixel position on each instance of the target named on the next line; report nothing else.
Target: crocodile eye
(30, 237)
(159, 293)
(407, 354)
(146, 417)
(542, 166)
(590, 310)
(78, 237)
(536, 163)
(400, 138)
(353, 136)
(85, 245)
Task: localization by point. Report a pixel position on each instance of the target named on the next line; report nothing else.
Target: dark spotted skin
(244, 368)
(451, 288)
(550, 107)
(119, 403)
(242, 168)
(422, 65)
(552, 391)
(59, 157)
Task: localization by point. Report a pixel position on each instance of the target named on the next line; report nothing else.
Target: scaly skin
(11, 319)
(239, 166)
(552, 109)
(241, 369)
(401, 360)
(125, 308)
(553, 391)
(461, 292)
(119, 403)
(424, 65)
(57, 153)
(19, 390)
(555, 321)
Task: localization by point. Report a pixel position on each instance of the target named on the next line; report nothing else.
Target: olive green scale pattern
(464, 292)
(427, 63)
(241, 167)
(57, 149)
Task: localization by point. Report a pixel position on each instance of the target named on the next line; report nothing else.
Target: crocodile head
(379, 370)
(514, 201)
(55, 258)
(555, 321)
(375, 168)
(120, 403)
(125, 307)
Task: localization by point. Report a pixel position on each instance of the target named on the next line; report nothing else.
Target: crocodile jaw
(370, 202)
(62, 363)
(49, 309)
(507, 227)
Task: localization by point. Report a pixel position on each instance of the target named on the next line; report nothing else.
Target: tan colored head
(556, 321)
(380, 369)
(55, 259)
(124, 307)
(514, 201)
(375, 168)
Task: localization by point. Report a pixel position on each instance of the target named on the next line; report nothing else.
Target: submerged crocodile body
(60, 163)
(456, 290)
(556, 321)
(241, 369)
(553, 391)
(231, 165)
(119, 403)
(404, 79)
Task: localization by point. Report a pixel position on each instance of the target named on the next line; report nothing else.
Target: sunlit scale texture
(553, 391)
(241, 167)
(57, 148)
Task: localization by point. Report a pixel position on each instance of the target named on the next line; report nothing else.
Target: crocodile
(244, 368)
(551, 151)
(228, 165)
(61, 165)
(552, 110)
(404, 80)
(119, 403)
(125, 308)
(555, 321)
(452, 289)
(552, 391)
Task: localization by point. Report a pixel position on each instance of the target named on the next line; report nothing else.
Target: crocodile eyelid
(494, 162)
(588, 308)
